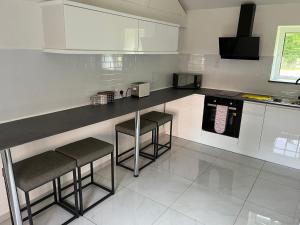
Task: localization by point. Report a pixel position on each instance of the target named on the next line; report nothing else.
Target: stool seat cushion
(128, 127)
(86, 150)
(40, 169)
(159, 117)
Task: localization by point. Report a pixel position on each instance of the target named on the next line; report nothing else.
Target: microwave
(187, 81)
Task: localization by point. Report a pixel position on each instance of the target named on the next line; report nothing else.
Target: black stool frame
(63, 204)
(92, 182)
(143, 154)
(162, 147)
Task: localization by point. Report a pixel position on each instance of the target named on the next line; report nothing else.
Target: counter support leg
(12, 189)
(137, 144)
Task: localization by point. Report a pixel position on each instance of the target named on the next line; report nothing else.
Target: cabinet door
(155, 37)
(281, 136)
(251, 128)
(94, 30)
(188, 113)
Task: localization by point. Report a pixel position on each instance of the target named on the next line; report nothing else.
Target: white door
(251, 128)
(156, 37)
(281, 136)
(188, 113)
(94, 30)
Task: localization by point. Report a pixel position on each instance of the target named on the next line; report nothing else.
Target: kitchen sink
(287, 101)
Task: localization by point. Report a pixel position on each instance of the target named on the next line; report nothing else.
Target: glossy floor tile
(188, 164)
(193, 184)
(208, 207)
(252, 214)
(160, 186)
(276, 197)
(281, 175)
(227, 181)
(127, 208)
(172, 217)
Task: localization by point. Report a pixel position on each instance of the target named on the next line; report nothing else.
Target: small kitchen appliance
(187, 81)
(102, 98)
(140, 89)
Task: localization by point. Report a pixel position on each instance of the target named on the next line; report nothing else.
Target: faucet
(297, 82)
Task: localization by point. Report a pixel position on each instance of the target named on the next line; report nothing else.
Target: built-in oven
(233, 115)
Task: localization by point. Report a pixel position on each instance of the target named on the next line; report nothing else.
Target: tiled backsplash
(239, 75)
(33, 82)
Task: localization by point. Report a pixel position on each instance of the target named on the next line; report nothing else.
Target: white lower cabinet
(251, 128)
(267, 132)
(280, 141)
(188, 113)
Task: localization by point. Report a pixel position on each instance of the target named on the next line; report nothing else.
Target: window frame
(278, 53)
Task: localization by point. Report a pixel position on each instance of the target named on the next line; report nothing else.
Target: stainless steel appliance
(187, 80)
(234, 116)
(140, 89)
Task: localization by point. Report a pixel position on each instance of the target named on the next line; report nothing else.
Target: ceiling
(210, 4)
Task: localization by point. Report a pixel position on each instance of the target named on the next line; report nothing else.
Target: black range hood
(243, 46)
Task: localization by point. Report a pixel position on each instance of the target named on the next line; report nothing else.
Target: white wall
(21, 25)
(200, 47)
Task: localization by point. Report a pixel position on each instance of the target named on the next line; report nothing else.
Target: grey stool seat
(40, 169)
(159, 117)
(128, 127)
(86, 150)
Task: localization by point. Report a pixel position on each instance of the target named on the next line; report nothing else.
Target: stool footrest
(110, 193)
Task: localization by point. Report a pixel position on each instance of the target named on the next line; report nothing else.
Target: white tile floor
(196, 185)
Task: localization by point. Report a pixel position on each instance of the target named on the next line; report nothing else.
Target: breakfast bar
(22, 131)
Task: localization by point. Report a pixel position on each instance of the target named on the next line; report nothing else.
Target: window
(286, 64)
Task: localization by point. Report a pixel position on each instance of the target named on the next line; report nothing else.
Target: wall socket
(119, 93)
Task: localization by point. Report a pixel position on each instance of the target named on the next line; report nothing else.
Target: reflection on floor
(196, 185)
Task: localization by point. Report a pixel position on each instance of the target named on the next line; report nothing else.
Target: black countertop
(30, 129)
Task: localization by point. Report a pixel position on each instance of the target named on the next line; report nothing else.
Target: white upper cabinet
(88, 29)
(157, 37)
(71, 27)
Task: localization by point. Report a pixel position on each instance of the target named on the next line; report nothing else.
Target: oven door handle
(215, 106)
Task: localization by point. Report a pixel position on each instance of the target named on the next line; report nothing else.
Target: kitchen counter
(33, 128)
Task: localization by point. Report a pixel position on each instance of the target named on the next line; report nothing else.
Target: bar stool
(86, 152)
(38, 170)
(160, 119)
(128, 128)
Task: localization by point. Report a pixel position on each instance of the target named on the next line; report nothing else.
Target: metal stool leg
(112, 173)
(59, 189)
(80, 191)
(155, 143)
(92, 172)
(54, 191)
(117, 148)
(75, 191)
(157, 140)
(28, 208)
(171, 132)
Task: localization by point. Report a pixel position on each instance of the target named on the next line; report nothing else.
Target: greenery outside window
(286, 63)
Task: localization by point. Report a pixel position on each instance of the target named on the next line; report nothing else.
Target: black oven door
(234, 117)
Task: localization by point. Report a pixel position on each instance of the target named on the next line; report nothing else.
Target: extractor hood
(243, 46)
